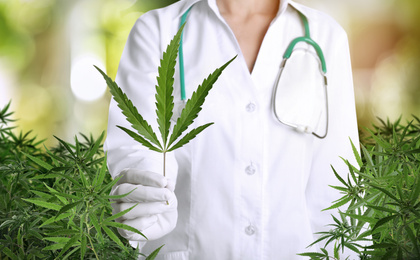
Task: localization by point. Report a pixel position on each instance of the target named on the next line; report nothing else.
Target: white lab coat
(247, 187)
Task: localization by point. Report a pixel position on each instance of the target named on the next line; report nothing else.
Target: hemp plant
(54, 202)
(382, 197)
(165, 105)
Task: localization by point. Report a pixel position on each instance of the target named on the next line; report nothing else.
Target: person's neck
(247, 7)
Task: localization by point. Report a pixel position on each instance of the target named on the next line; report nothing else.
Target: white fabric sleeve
(136, 76)
(342, 128)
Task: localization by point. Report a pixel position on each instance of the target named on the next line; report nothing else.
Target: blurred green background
(48, 47)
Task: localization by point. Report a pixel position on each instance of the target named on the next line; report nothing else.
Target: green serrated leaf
(100, 176)
(83, 178)
(71, 252)
(66, 146)
(164, 88)
(116, 197)
(130, 111)
(83, 246)
(123, 226)
(390, 195)
(383, 221)
(71, 179)
(189, 136)
(39, 161)
(95, 223)
(42, 194)
(45, 176)
(339, 188)
(54, 246)
(120, 214)
(416, 192)
(382, 209)
(153, 255)
(361, 218)
(54, 157)
(339, 203)
(72, 242)
(95, 147)
(59, 240)
(369, 160)
(141, 140)
(109, 185)
(339, 178)
(352, 247)
(10, 254)
(312, 254)
(336, 250)
(55, 219)
(319, 239)
(44, 204)
(365, 200)
(379, 140)
(56, 193)
(112, 236)
(77, 147)
(194, 104)
(356, 154)
(68, 207)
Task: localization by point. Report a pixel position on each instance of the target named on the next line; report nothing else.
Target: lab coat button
(250, 107)
(250, 230)
(250, 170)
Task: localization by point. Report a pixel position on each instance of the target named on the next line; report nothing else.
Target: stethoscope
(288, 53)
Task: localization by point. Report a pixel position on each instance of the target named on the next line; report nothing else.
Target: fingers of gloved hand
(144, 209)
(165, 224)
(139, 193)
(171, 185)
(140, 224)
(145, 178)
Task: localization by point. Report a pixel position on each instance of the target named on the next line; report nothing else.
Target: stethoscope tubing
(307, 38)
(299, 128)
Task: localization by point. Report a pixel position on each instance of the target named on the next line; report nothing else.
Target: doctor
(248, 187)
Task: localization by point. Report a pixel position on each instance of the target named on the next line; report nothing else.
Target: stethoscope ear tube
(181, 57)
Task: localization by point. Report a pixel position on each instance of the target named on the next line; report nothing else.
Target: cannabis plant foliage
(54, 204)
(164, 106)
(382, 192)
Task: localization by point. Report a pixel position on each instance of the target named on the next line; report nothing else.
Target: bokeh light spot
(86, 82)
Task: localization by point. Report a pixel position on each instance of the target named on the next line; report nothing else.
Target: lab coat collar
(187, 5)
(212, 4)
(299, 8)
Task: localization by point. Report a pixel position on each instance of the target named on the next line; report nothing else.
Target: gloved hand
(153, 216)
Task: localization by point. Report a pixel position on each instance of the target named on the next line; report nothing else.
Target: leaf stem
(164, 169)
(93, 248)
(88, 229)
(164, 164)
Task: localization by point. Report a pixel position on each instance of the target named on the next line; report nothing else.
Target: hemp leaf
(165, 105)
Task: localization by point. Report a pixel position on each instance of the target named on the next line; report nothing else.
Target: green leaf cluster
(164, 105)
(54, 203)
(382, 193)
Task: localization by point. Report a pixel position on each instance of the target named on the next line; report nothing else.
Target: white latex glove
(152, 216)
